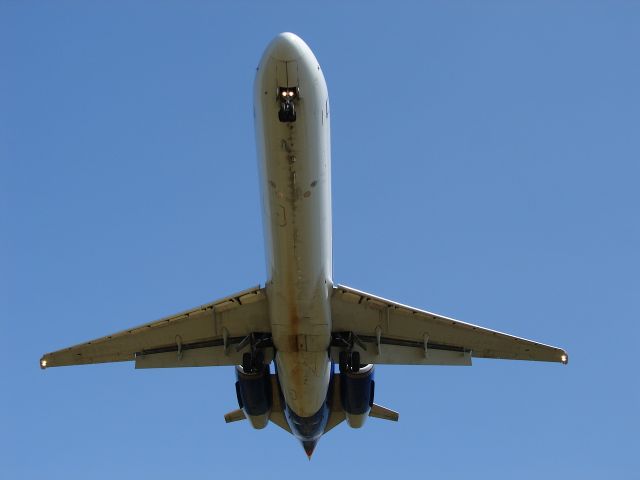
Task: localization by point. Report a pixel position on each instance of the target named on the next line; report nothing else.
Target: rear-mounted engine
(356, 393)
(253, 389)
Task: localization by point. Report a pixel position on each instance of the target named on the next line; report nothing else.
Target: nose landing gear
(287, 112)
(286, 97)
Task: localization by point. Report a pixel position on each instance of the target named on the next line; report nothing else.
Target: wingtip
(564, 357)
(43, 363)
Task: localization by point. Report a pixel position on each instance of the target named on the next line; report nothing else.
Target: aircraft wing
(386, 332)
(212, 334)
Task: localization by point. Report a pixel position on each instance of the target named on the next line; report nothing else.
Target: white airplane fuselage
(300, 319)
(295, 178)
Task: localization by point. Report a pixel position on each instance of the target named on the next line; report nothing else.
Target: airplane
(301, 321)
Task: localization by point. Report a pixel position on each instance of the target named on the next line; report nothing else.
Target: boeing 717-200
(301, 320)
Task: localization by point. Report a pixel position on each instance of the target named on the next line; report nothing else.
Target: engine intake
(357, 394)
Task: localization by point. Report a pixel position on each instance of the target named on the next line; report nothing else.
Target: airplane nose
(286, 47)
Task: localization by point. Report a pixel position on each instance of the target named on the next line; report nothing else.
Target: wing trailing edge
(387, 332)
(213, 330)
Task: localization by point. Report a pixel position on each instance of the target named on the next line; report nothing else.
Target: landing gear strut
(253, 362)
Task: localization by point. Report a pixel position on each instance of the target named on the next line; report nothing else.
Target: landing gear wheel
(287, 112)
(355, 362)
(343, 361)
(258, 360)
(253, 362)
(247, 362)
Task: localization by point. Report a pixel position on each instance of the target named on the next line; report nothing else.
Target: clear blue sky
(486, 166)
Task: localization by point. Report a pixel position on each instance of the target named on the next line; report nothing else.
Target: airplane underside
(322, 338)
(350, 397)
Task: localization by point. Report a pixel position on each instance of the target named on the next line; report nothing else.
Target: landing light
(291, 94)
(284, 94)
(43, 364)
(563, 358)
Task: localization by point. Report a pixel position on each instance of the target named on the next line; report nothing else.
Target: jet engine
(253, 389)
(356, 393)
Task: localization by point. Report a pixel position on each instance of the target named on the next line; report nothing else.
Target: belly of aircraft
(295, 166)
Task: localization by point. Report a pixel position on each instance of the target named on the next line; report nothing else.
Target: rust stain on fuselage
(292, 275)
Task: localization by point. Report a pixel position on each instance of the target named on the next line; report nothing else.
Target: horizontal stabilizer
(378, 411)
(234, 416)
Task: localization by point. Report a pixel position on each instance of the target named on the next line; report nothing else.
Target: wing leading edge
(387, 332)
(212, 334)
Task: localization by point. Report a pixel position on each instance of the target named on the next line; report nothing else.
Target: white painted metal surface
(295, 172)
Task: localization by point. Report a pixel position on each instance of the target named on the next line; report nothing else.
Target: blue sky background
(486, 162)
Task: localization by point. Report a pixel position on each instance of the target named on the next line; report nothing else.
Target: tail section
(234, 416)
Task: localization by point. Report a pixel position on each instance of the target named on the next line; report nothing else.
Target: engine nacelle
(356, 394)
(254, 395)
